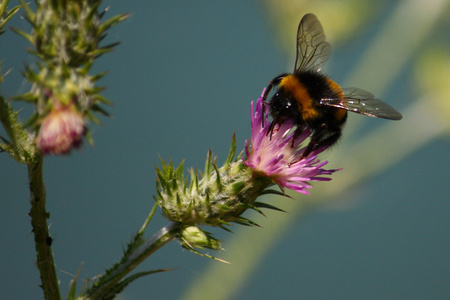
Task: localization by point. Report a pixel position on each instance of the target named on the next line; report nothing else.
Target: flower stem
(105, 285)
(42, 238)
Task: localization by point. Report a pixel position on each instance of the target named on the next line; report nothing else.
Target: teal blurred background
(181, 83)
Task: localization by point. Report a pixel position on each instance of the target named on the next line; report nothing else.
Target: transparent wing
(312, 50)
(363, 102)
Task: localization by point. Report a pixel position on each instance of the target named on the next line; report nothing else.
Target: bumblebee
(314, 101)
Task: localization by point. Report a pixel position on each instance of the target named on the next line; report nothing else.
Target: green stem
(42, 238)
(105, 285)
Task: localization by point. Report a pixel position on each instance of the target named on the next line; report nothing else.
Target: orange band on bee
(298, 90)
(340, 113)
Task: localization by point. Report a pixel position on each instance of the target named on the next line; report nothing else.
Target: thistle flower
(61, 130)
(221, 195)
(277, 155)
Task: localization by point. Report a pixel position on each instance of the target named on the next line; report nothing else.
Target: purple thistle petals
(278, 154)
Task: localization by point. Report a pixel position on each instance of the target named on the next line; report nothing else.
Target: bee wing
(312, 50)
(363, 102)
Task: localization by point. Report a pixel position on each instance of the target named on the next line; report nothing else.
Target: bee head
(282, 107)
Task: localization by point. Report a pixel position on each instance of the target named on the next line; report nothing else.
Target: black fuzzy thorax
(318, 87)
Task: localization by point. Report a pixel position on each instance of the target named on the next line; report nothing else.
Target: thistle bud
(66, 37)
(193, 237)
(61, 130)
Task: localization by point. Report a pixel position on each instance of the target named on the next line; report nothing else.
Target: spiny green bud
(193, 237)
(218, 198)
(62, 84)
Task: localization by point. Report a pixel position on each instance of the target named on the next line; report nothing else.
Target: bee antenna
(264, 103)
(272, 83)
(266, 92)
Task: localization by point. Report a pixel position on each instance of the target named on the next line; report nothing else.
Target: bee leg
(298, 132)
(318, 140)
(270, 129)
(310, 148)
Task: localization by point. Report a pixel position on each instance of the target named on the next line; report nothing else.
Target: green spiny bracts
(6, 15)
(68, 32)
(17, 144)
(218, 198)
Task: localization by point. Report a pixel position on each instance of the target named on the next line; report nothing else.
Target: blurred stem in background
(408, 26)
(66, 37)
(42, 239)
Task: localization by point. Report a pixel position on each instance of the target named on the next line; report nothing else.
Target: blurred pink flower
(61, 130)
